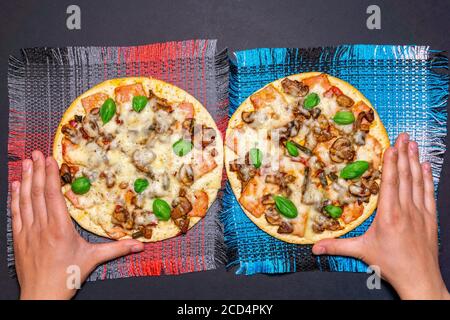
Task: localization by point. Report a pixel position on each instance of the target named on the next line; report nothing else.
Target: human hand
(402, 240)
(45, 240)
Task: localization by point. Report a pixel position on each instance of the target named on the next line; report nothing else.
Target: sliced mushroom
(333, 176)
(267, 199)
(293, 127)
(364, 120)
(181, 207)
(323, 179)
(360, 137)
(248, 117)
(372, 186)
(70, 133)
(142, 159)
(285, 227)
(294, 88)
(165, 181)
(147, 232)
(323, 222)
(138, 200)
(162, 122)
(272, 216)
(120, 215)
(183, 224)
(344, 101)
(244, 171)
(90, 127)
(186, 174)
(282, 179)
(341, 150)
(110, 179)
(321, 130)
(64, 173)
(358, 190)
(315, 112)
(123, 185)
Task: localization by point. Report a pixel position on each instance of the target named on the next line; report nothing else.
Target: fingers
(15, 208)
(108, 251)
(37, 188)
(429, 201)
(404, 170)
(350, 247)
(26, 209)
(389, 180)
(416, 173)
(56, 205)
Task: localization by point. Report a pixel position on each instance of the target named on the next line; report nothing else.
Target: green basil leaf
(140, 185)
(344, 117)
(81, 185)
(311, 101)
(256, 156)
(292, 149)
(108, 110)
(354, 169)
(285, 207)
(139, 103)
(333, 211)
(182, 147)
(161, 209)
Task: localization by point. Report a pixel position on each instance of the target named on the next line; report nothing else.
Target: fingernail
(394, 151)
(137, 248)
(26, 165)
(48, 161)
(427, 167)
(413, 147)
(35, 156)
(15, 185)
(406, 137)
(319, 250)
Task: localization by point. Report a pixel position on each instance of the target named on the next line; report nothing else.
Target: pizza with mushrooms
(138, 158)
(303, 156)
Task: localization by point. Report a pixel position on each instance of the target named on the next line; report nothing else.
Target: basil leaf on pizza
(139, 103)
(108, 110)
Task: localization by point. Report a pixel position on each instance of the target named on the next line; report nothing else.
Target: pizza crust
(377, 129)
(210, 183)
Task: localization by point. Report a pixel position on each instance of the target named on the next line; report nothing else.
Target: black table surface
(237, 25)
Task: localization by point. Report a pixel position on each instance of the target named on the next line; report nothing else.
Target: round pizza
(303, 156)
(138, 158)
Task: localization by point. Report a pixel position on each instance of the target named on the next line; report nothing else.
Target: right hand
(402, 240)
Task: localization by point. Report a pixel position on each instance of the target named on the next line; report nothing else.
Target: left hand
(45, 240)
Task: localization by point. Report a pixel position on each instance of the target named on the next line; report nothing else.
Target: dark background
(237, 25)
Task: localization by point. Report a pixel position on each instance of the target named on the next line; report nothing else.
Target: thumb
(108, 251)
(351, 247)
